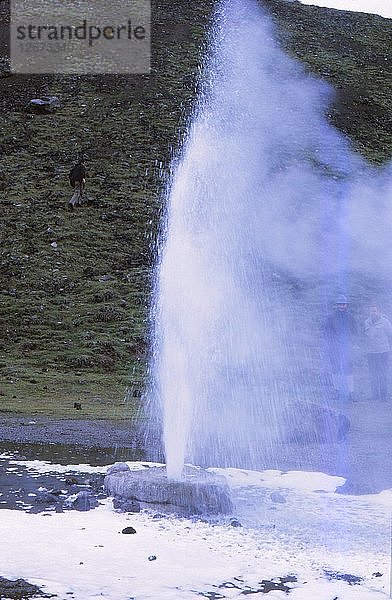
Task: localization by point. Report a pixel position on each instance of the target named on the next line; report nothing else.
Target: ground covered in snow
(290, 536)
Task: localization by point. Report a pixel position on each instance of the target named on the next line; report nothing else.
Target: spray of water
(265, 190)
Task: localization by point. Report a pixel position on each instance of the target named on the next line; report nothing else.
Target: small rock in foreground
(128, 530)
(20, 588)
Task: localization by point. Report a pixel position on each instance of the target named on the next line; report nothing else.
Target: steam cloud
(264, 185)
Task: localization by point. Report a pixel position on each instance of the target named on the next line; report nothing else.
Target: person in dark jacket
(378, 344)
(77, 179)
(340, 330)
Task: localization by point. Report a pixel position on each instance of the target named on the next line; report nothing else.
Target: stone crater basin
(198, 492)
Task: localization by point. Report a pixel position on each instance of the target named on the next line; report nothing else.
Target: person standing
(340, 331)
(378, 340)
(77, 180)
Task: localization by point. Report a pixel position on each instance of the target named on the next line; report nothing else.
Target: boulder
(199, 492)
(20, 588)
(81, 501)
(45, 497)
(44, 104)
(309, 423)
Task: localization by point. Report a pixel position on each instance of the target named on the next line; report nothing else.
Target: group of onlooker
(342, 334)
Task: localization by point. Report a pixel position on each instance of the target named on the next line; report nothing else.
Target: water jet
(236, 358)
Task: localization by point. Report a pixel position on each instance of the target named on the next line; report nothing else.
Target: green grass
(52, 394)
(74, 318)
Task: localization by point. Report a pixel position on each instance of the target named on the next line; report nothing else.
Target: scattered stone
(77, 405)
(235, 523)
(347, 577)
(81, 501)
(20, 588)
(377, 574)
(44, 105)
(45, 497)
(128, 530)
(104, 278)
(71, 481)
(278, 498)
(95, 481)
(125, 505)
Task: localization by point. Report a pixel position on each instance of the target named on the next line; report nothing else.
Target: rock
(311, 423)
(128, 530)
(95, 481)
(126, 505)
(199, 492)
(339, 576)
(278, 498)
(152, 557)
(19, 588)
(45, 497)
(44, 104)
(235, 523)
(104, 278)
(81, 501)
(118, 467)
(71, 481)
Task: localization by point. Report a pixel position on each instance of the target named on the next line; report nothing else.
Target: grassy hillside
(75, 286)
(352, 52)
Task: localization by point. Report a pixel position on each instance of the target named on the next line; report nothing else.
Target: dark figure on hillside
(340, 330)
(378, 343)
(77, 179)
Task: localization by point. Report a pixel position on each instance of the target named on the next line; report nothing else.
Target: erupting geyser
(266, 206)
(265, 194)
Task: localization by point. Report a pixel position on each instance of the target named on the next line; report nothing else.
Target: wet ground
(23, 488)
(363, 457)
(74, 432)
